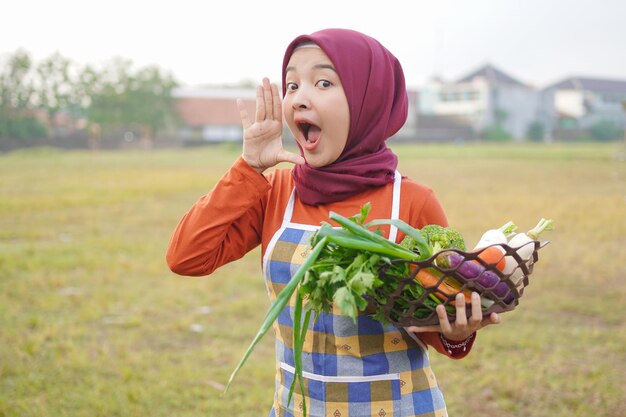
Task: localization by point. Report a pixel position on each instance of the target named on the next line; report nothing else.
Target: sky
(539, 42)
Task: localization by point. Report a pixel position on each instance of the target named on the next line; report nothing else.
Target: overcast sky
(226, 41)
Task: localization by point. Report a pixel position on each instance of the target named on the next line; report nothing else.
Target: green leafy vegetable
(438, 238)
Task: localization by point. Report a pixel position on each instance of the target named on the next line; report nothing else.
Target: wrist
(457, 346)
(260, 170)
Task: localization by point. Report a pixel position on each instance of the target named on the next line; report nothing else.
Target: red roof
(201, 111)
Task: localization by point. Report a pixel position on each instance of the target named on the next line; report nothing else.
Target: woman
(344, 96)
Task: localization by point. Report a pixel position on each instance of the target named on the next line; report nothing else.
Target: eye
(323, 84)
(291, 86)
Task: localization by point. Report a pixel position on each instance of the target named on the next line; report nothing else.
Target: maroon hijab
(373, 82)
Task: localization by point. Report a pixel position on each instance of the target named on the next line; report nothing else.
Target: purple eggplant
(473, 271)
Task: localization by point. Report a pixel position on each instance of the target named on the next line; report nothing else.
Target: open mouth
(310, 132)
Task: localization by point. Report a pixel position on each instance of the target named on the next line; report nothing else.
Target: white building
(581, 102)
(487, 98)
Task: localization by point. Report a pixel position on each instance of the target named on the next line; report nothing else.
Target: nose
(301, 100)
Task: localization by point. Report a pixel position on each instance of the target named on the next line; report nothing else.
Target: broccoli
(438, 238)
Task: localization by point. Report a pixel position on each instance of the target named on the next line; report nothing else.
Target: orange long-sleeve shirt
(245, 209)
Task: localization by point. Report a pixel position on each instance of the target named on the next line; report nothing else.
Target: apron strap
(289, 208)
(395, 206)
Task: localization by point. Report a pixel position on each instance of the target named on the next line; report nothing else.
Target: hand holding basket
(438, 279)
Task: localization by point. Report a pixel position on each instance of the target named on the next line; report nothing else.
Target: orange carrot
(492, 255)
(447, 290)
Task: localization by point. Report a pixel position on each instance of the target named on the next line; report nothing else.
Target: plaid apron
(360, 369)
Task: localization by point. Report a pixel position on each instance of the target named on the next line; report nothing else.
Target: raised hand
(262, 139)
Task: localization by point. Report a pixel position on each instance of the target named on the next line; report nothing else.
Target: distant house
(440, 111)
(211, 114)
(409, 130)
(581, 102)
(487, 97)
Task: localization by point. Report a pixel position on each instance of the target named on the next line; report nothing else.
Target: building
(580, 102)
(211, 114)
(485, 98)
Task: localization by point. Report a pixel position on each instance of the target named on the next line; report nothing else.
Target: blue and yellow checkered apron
(360, 369)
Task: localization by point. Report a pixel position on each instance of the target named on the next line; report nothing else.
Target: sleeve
(431, 212)
(221, 226)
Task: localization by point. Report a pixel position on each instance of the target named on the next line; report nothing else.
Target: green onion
(420, 242)
(299, 332)
(361, 231)
(277, 306)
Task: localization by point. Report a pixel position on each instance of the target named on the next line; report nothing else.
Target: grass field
(92, 323)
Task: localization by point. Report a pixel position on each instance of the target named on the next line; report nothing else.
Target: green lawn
(92, 323)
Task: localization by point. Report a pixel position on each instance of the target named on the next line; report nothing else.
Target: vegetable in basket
(446, 289)
(496, 236)
(491, 253)
(438, 238)
(524, 243)
(473, 271)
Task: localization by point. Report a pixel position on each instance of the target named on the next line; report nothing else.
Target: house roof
(201, 111)
(212, 106)
(214, 92)
(492, 74)
(590, 84)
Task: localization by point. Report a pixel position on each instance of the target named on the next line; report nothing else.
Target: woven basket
(505, 293)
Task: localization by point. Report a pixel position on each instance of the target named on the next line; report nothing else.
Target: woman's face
(315, 106)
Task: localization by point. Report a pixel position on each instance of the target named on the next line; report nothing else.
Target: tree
(112, 97)
(56, 87)
(536, 131)
(497, 132)
(120, 98)
(604, 131)
(106, 92)
(17, 119)
(16, 87)
(150, 100)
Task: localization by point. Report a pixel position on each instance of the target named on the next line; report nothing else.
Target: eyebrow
(318, 66)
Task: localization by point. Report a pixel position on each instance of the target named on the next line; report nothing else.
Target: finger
(461, 312)
(260, 104)
(267, 97)
(285, 156)
(477, 312)
(444, 323)
(278, 108)
(424, 329)
(243, 114)
(493, 318)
